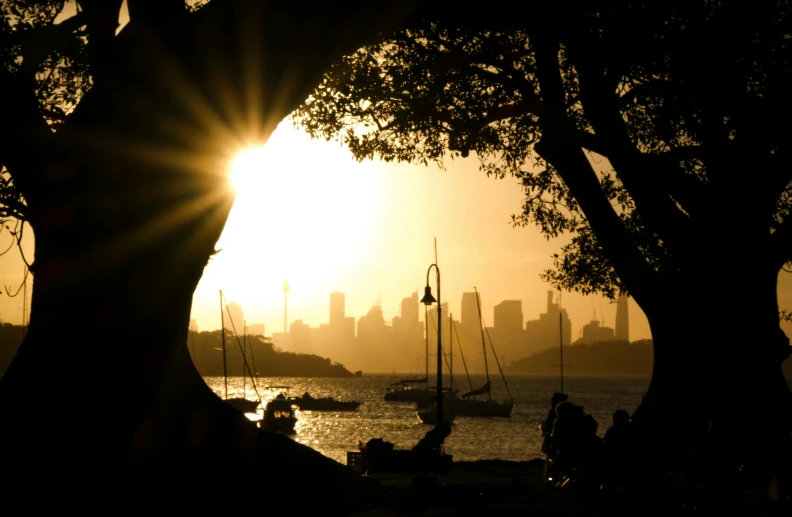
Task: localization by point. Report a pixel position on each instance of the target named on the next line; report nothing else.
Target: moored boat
(309, 403)
(279, 416)
(469, 406)
(429, 415)
(402, 391)
(244, 405)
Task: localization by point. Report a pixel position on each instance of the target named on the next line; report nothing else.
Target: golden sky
(313, 216)
(306, 212)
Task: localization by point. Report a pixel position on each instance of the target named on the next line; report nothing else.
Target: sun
(303, 210)
(248, 169)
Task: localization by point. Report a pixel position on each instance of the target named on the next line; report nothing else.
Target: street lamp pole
(428, 299)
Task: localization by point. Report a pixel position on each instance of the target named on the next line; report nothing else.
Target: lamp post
(428, 299)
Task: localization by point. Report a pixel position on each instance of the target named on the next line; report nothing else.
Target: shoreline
(506, 487)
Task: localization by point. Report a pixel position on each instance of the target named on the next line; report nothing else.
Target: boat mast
(451, 351)
(483, 342)
(495, 355)
(244, 359)
(560, 341)
(461, 354)
(222, 335)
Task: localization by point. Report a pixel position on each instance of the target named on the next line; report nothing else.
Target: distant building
(548, 331)
(508, 315)
(507, 333)
(407, 326)
(303, 338)
(622, 319)
(372, 325)
(256, 329)
(337, 309)
(233, 318)
(594, 333)
(193, 326)
(470, 313)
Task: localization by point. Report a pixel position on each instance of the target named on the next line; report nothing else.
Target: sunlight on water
(515, 438)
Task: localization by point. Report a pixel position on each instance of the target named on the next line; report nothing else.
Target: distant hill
(604, 358)
(262, 356)
(208, 357)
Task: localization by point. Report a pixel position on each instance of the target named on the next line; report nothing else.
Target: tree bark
(717, 390)
(125, 220)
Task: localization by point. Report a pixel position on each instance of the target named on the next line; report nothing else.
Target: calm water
(515, 438)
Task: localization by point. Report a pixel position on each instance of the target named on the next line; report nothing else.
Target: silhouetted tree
(114, 149)
(652, 134)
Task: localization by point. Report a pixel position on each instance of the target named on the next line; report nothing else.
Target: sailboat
(241, 403)
(444, 406)
(467, 405)
(405, 390)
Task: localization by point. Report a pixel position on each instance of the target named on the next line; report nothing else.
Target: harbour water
(516, 438)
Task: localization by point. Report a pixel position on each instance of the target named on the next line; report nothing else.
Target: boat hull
(278, 425)
(244, 405)
(406, 396)
(483, 408)
(429, 416)
(326, 405)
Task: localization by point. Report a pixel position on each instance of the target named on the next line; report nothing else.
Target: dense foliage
(664, 98)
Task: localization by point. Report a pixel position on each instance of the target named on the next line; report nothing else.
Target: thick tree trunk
(125, 221)
(717, 389)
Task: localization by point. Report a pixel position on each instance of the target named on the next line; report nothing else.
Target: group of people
(576, 454)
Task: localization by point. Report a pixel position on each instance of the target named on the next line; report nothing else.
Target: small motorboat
(279, 416)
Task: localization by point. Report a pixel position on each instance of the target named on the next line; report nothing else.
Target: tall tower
(285, 288)
(622, 319)
(337, 309)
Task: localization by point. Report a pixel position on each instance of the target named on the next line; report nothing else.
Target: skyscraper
(470, 316)
(337, 309)
(233, 319)
(622, 319)
(409, 309)
(509, 315)
(544, 332)
(285, 288)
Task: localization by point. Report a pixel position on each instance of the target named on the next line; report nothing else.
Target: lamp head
(428, 299)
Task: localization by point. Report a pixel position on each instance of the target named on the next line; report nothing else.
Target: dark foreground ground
(494, 488)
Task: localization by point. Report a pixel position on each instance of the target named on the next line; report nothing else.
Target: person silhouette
(618, 451)
(564, 435)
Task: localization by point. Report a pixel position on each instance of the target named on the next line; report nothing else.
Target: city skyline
(257, 244)
(374, 343)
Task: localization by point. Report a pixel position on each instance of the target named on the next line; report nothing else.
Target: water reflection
(515, 438)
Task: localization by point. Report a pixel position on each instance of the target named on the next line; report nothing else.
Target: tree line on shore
(206, 348)
(601, 358)
(262, 356)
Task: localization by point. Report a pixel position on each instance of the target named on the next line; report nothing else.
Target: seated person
(433, 440)
(619, 451)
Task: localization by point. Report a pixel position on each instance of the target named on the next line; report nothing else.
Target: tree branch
(101, 18)
(558, 147)
(26, 141)
(638, 175)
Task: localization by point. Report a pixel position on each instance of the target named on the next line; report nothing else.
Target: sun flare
(247, 169)
(304, 210)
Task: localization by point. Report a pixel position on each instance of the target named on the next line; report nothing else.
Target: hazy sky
(313, 216)
(306, 212)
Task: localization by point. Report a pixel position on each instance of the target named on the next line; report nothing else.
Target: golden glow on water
(515, 438)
